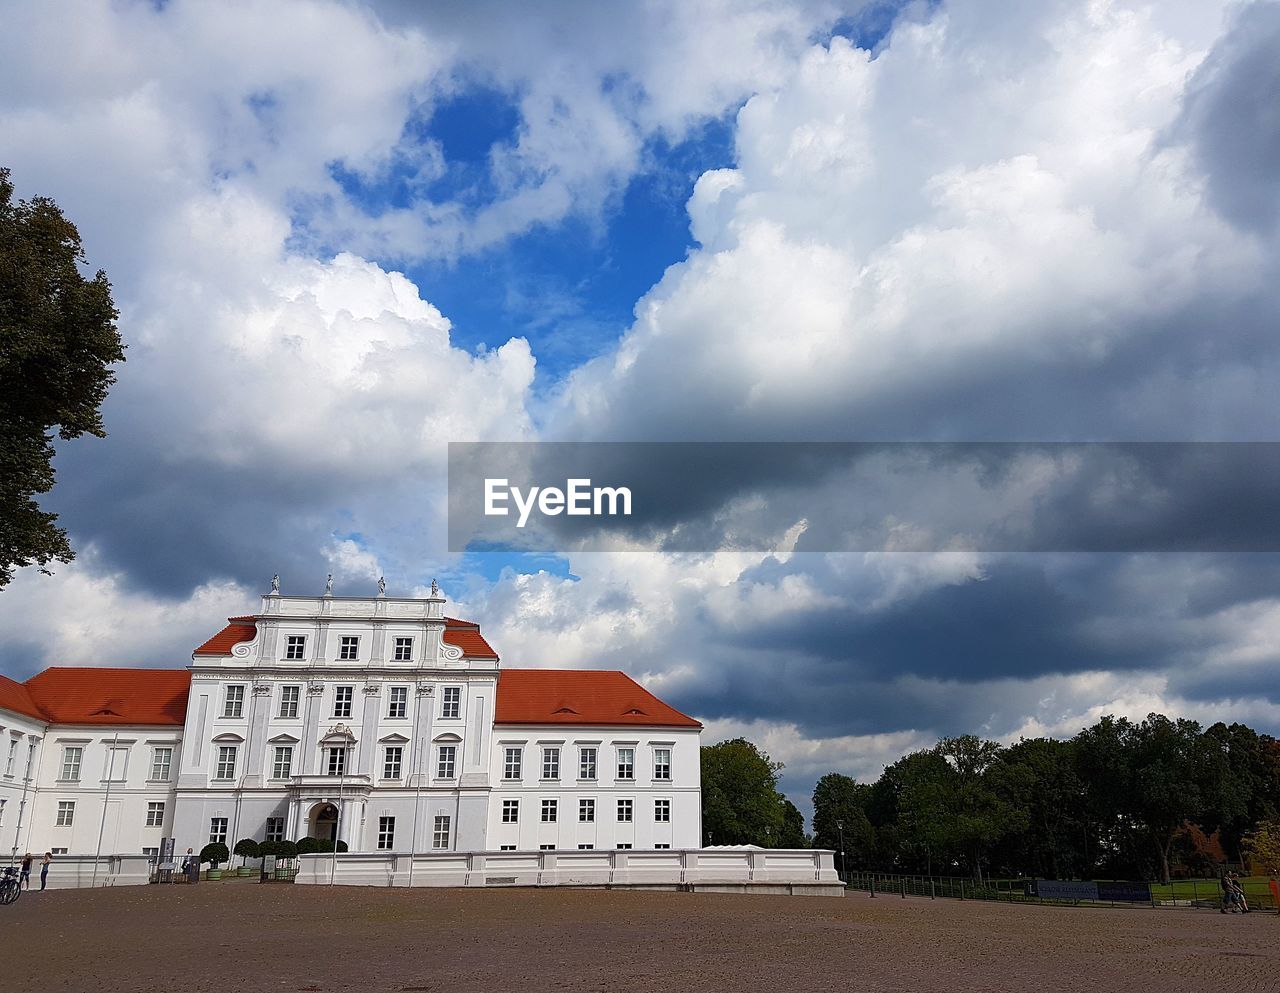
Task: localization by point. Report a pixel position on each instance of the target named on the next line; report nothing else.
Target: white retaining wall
(69, 872)
(797, 871)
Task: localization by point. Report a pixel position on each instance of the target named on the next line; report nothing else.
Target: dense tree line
(1121, 799)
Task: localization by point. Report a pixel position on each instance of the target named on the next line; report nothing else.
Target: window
(336, 760)
(66, 813)
(398, 707)
(661, 846)
(511, 764)
(624, 810)
(440, 836)
(349, 648)
(342, 697)
(551, 763)
(546, 848)
(624, 848)
(586, 848)
(510, 811)
(446, 757)
(282, 766)
(587, 811)
(218, 829)
(2, 803)
(155, 814)
(57, 851)
(289, 696)
(662, 763)
(295, 646)
(386, 833)
(586, 763)
(662, 811)
(226, 762)
(13, 753)
(275, 829)
(151, 853)
(392, 758)
(404, 650)
(506, 848)
(451, 703)
(117, 764)
(549, 808)
(233, 705)
(626, 763)
(161, 763)
(71, 756)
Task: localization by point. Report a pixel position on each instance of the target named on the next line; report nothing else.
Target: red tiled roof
(581, 696)
(15, 697)
(112, 696)
(461, 634)
(466, 635)
(240, 629)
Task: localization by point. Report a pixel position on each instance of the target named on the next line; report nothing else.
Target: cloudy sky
(342, 235)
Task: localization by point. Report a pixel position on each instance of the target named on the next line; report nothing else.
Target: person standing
(44, 869)
(24, 878)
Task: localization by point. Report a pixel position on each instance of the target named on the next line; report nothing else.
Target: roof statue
(435, 588)
(275, 583)
(382, 586)
(328, 585)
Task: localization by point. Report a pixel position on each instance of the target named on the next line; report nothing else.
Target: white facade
(569, 788)
(371, 720)
(21, 744)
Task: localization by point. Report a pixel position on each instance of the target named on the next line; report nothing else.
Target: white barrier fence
(799, 872)
(69, 872)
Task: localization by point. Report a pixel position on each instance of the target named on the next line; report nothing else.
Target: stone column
(424, 702)
(367, 746)
(311, 730)
(260, 713)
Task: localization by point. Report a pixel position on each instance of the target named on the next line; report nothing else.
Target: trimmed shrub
(286, 850)
(247, 848)
(215, 853)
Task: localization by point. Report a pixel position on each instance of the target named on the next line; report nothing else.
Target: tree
(740, 800)
(1262, 845)
(839, 815)
(979, 815)
(791, 834)
(58, 340)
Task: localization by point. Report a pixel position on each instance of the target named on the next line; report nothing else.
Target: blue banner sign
(1125, 892)
(1065, 889)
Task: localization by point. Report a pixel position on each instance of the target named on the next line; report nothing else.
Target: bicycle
(10, 889)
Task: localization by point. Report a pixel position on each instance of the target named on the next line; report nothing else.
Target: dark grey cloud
(1232, 118)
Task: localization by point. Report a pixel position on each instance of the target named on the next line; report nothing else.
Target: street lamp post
(840, 827)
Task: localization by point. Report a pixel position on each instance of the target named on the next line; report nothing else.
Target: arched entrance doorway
(323, 822)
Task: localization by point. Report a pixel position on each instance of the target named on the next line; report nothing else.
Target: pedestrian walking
(24, 878)
(44, 869)
(1237, 889)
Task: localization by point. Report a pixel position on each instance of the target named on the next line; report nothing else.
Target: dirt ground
(243, 937)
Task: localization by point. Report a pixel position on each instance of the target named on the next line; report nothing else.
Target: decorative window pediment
(283, 739)
(228, 737)
(447, 737)
(393, 739)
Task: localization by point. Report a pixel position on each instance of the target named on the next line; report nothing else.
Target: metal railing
(1202, 893)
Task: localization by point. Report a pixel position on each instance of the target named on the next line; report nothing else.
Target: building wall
(21, 742)
(607, 829)
(370, 708)
(258, 699)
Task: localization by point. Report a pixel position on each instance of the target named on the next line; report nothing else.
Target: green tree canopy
(740, 800)
(840, 815)
(58, 340)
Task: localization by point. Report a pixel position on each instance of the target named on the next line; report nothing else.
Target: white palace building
(376, 721)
